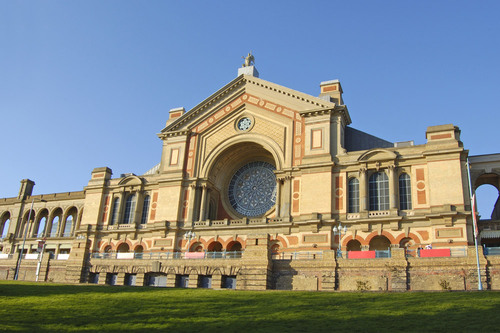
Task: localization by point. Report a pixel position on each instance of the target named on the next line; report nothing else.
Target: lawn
(29, 307)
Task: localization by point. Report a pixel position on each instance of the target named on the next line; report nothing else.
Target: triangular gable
(233, 95)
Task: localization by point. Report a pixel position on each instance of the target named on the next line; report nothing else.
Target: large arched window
(128, 215)
(4, 225)
(404, 192)
(379, 191)
(353, 195)
(67, 226)
(55, 226)
(41, 227)
(145, 210)
(114, 212)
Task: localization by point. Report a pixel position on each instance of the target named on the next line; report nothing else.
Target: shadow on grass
(68, 308)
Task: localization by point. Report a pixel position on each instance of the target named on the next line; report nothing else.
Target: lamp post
(189, 235)
(337, 231)
(24, 239)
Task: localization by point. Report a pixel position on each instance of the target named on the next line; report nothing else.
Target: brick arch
(358, 238)
(232, 240)
(390, 237)
(410, 235)
(144, 246)
(103, 245)
(280, 239)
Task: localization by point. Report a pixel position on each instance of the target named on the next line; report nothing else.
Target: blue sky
(85, 84)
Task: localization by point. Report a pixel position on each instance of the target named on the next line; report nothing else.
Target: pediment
(243, 91)
(377, 155)
(131, 181)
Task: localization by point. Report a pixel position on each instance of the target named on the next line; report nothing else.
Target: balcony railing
(492, 251)
(298, 255)
(168, 255)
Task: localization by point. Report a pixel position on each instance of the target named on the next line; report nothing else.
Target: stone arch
(215, 247)
(123, 247)
(377, 154)
(196, 246)
(410, 235)
(5, 224)
(40, 226)
(234, 246)
(360, 239)
(379, 242)
(383, 233)
(55, 221)
(353, 245)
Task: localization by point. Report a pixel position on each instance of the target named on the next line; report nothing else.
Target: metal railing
(169, 255)
(492, 251)
(455, 252)
(298, 255)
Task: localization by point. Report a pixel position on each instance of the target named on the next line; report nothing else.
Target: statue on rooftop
(249, 60)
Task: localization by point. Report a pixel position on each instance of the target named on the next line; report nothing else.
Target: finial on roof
(249, 60)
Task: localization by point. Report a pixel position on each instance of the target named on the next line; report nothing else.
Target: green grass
(29, 307)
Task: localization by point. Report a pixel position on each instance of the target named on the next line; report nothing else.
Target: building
(263, 187)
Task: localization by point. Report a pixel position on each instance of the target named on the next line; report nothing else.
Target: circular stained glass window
(252, 189)
(244, 124)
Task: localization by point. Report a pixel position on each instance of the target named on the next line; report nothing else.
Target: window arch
(114, 213)
(379, 191)
(353, 195)
(145, 209)
(404, 192)
(67, 226)
(4, 225)
(41, 227)
(128, 215)
(55, 226)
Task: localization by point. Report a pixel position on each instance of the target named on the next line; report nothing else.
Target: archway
(123, 248)
(234, 246)
(215, 247)
(380, 243)
(353, 245)
(196, 247)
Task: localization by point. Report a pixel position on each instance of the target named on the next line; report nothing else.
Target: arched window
(404, 192)
(353, 195)
(55, 226)
(380, 243)
(114, 213)
(41, 227)
(123, 248)
(145, 210)
(353, 245)
(5, 226)
(379, 191)
(128, 215)
(67, 226)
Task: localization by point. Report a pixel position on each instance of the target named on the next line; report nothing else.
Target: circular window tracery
(252, 189)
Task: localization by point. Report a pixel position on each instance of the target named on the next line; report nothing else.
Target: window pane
(129, 209)
(379, 191)
(353, 195)
(145, 209)
(404, 192)
(114, 215)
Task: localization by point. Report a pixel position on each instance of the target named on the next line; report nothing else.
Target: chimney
(174, 114)
(331, 91)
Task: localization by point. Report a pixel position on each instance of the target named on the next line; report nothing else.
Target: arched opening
(243, 182)
(41, 227)
(123, 248)
(215, 247)
(139, 249)
(68, 224)
(26, 224)
(108, 249)
(54, 224)
(234, 246)
(275, 247)
(4, 225)
(380, 243)
(353, 245)
(196, 247)
(487, 202)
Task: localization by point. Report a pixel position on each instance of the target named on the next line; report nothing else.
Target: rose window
(252, 190)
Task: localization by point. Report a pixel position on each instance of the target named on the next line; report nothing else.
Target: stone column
(203, 205)
(363, 190)
(278, 197)
(192, 201)
(393, 190)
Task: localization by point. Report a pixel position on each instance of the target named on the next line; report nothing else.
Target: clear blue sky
(85, 84)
